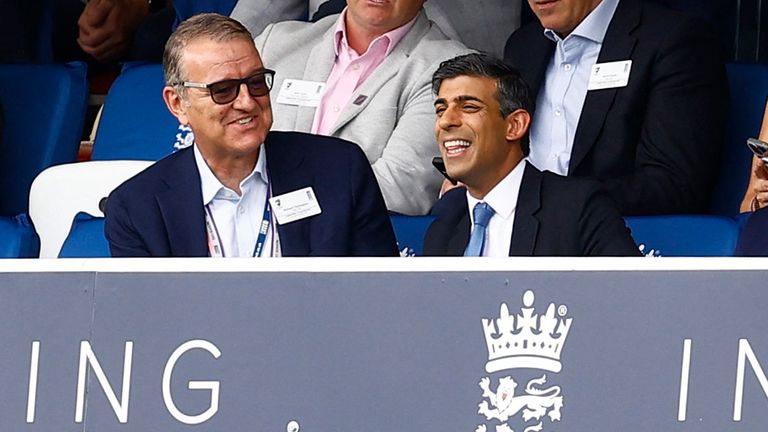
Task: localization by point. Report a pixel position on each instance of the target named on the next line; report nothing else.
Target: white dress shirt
(503, 200)
(237, 218)
(562, 95)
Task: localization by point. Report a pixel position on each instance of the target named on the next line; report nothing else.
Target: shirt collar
(594, 26)
(210, 184)
(390, 38)
(503, 197)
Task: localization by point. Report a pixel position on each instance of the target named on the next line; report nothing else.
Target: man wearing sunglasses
(242, 190)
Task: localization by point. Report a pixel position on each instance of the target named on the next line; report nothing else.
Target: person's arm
(255, 15)
(107, 27)
(756, 195)
(372, 234)
(682, 128)
(602, 230)
(124, 240)
(408, 181)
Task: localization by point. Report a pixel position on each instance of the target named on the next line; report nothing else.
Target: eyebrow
(462, 98)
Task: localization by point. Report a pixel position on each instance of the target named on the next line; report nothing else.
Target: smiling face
(562, 16)
(478, 144)
(381, 16)
(228, 131)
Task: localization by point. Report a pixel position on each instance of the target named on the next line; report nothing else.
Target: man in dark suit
(629, 92)
(241, 190)
(483, 109)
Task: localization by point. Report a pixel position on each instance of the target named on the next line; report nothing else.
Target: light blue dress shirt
(562, 95)
(238, 218)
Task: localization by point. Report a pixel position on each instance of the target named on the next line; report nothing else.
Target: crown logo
(526, 340)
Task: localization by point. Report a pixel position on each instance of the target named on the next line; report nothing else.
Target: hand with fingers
(756, 195)
(107, 27)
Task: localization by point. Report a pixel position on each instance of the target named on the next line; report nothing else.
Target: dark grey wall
(380, 351)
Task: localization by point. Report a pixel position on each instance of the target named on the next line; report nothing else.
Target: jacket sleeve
(602, 230)
(124, 240)
(682, 129)
(256, 15)
(372, 233)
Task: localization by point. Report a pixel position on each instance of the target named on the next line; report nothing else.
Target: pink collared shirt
(350, 70)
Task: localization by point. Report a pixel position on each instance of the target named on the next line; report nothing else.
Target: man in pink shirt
(364, 75)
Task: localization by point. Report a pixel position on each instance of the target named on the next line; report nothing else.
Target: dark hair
(206, 25)
(512, 92)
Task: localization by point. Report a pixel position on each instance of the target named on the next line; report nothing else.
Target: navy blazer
(753, 239)
(159, 212)
(555, 216)
(655, 142)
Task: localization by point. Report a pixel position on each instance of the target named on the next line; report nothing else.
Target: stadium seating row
(657, 236)
(135, 125)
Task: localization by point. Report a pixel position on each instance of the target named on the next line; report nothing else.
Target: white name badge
(295, 205)
(300, 92)
(609, 75)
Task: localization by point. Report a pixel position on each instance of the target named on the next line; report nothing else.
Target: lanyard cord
(266, 220)
(215, 247)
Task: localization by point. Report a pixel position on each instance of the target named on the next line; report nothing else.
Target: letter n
(746, 354)
(87, 357)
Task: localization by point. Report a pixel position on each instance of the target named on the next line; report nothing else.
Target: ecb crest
(523, 341)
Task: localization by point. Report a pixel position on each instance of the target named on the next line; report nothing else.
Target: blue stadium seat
(18, 238)
(44, 106)
(86, 238)
(748, 91)
(409, 231)
(135, 123)
(685, 235)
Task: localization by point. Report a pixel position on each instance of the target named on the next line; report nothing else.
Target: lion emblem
(534, 404)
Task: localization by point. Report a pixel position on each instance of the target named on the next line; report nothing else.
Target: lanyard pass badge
(296, 205)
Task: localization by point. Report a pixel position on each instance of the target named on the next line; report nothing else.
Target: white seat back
(62, 191)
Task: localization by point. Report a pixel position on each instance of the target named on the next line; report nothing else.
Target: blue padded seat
(409, 231)
(86, 238)
(685, 235)
(44, 108)
(18, 238)
(135, 123)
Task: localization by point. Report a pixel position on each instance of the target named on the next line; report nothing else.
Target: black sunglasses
(225, 91)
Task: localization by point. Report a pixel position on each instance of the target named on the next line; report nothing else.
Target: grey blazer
(480, 24)
(391, 116)
(257, 14)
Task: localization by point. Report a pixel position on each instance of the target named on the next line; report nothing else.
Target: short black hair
(512, 92)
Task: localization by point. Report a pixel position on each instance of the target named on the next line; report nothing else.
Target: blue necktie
(482, 214)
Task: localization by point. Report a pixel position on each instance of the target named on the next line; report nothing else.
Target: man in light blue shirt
(628, 92)
(560, 100)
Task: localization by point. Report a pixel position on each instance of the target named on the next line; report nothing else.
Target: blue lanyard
(216, 249)
(264, 228)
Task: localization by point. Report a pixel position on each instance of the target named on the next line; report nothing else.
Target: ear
(176, 104)
(517, 124)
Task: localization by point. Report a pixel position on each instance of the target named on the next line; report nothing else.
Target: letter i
(685, 373)
(32, 389)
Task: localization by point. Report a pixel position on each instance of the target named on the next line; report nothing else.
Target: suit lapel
(181, 209)
(618, 45)
(459, 234)
(318, 68)
(541, 52)
(286, 176)
(384, 72)
(526, 225)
